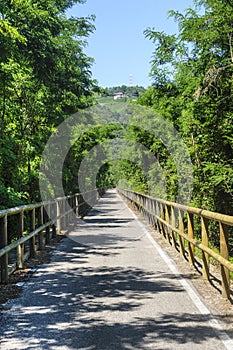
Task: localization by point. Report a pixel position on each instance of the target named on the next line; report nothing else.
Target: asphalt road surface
(110, 286)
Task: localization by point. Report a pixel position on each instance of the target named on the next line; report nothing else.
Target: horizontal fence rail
(187, 228)
(26, 229)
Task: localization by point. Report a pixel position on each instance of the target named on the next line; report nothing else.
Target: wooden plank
(17, 210)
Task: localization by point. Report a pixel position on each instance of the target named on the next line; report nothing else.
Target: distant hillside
(127, 90)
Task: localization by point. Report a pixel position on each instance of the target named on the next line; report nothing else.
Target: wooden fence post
(153, 204)
(67, 201)
(76, 205)
(205, 242)
(173, 223)
(47, 218)
(190, 235)
(41, 233)
(157, 212)
(181, 229)
(66, 219)
(58, 209)
(69, 206)
(3, 243)
(167, 219)
(53, 214)
(63, 219)
(224, 252)
(162, 216)
(32, 228)
(20, 248)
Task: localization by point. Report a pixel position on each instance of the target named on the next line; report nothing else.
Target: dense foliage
(44, 77)
(192, 86)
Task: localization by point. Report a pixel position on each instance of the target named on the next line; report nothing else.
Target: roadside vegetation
(192, 87)
(45, 76)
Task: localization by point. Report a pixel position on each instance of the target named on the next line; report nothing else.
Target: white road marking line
(223, 336)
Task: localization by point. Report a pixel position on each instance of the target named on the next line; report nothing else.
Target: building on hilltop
(119, 95)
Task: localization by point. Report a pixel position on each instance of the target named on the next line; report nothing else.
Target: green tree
(44, 77)
(192, 74)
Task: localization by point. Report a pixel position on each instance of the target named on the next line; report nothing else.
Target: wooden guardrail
(35, 225)
(177, 223)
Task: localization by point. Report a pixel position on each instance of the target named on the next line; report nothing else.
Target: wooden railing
(26, 229)
(178, 225)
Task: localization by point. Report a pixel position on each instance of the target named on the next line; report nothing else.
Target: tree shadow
(73, 304)
(103, 231)
(70, 309)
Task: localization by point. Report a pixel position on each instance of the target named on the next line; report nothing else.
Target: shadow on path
(69, 309)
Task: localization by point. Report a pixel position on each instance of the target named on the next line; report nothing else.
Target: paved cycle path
(109, 286)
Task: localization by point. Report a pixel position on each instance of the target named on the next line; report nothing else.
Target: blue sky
(118, 44)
